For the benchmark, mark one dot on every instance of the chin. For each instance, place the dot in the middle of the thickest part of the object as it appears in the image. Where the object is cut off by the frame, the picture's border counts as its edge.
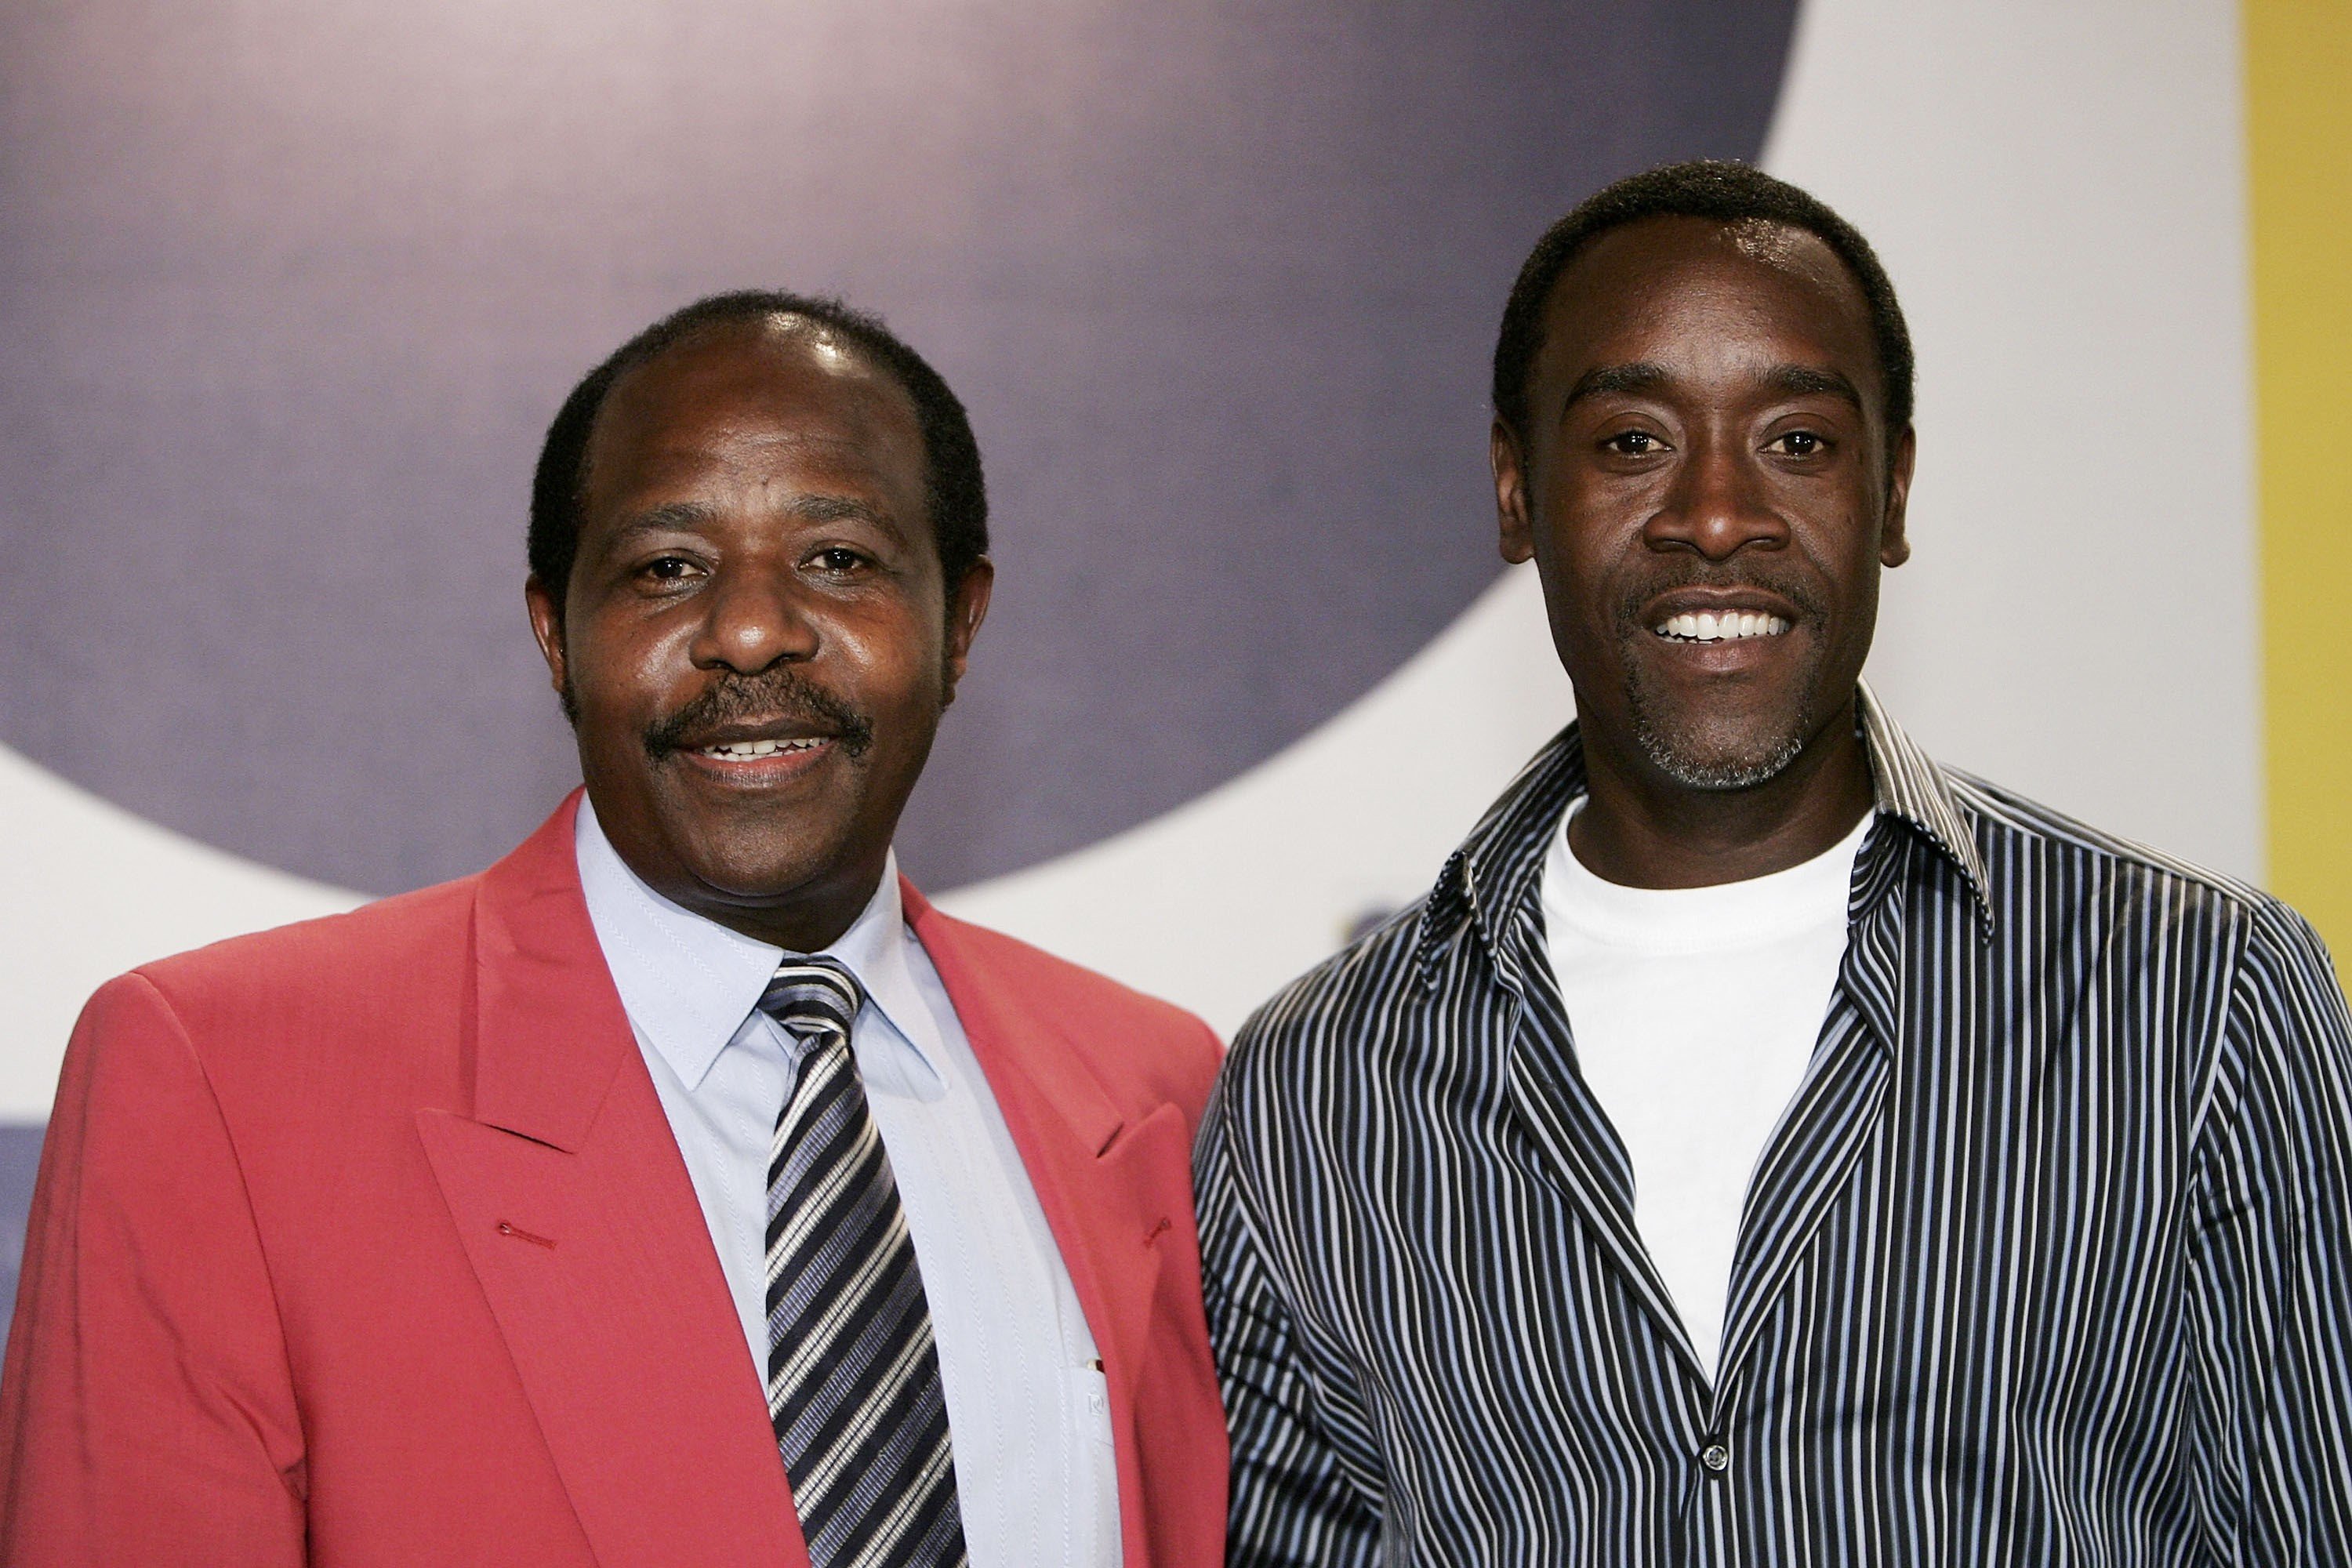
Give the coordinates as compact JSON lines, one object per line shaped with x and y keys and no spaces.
{"x":1725,"y":740}
{"x":1722,"y":771}
{"x":1714,"y":752}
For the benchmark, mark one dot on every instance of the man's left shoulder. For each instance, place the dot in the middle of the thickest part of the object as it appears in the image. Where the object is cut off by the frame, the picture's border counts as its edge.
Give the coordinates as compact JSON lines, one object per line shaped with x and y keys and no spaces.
{"x":2022,"y":840}
{"x":1148,"y":1046}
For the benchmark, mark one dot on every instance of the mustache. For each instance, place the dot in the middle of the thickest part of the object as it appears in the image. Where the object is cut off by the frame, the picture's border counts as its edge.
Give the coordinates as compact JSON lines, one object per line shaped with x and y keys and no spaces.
{"x":778,"y":692}
{"x":1690,"y":571}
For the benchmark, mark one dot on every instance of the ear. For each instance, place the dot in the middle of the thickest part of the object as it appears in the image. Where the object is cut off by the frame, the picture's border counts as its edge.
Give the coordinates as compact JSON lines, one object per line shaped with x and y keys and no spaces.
{"x":1893,"y":544}
{"x":967,"y":607}
{"x":1516,"y":538}
{"x":547,"y":626}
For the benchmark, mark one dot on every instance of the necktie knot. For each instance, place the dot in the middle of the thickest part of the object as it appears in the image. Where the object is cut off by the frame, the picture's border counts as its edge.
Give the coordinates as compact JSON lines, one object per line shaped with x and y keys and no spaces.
{"x":813,"y":998}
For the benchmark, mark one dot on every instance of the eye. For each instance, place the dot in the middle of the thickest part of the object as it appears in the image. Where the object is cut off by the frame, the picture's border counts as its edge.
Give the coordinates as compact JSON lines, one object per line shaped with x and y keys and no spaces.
{"x":1798,"y":444}
{"x":670,"y":568}
{"x":1633,"y":444}
{"x":837,"y":559}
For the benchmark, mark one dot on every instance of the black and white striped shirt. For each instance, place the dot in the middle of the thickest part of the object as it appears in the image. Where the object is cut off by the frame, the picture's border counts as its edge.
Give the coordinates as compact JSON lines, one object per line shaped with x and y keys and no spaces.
{"x":2050,"y":1261}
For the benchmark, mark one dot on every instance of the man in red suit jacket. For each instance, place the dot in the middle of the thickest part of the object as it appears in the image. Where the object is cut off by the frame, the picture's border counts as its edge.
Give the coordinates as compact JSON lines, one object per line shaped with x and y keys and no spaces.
{"x":395,"y":1239}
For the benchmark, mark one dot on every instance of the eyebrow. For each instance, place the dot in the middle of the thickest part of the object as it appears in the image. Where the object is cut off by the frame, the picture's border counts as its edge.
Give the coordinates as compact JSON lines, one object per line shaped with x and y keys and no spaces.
{"x":686,"y":516}
{"x":1806,"y":381}
{"x":679,"y":516}
{"x":1647,"y":375}
{"x":839,"y":509}
{"x":1604,"y":380}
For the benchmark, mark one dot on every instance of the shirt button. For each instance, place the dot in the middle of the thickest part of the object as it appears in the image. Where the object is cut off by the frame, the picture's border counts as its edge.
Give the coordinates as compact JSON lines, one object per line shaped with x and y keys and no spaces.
{"x":1716,"y":1458}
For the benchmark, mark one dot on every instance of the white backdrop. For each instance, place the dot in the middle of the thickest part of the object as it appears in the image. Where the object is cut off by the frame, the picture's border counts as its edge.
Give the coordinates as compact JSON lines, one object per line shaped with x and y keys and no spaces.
{"x":2058,"y":193}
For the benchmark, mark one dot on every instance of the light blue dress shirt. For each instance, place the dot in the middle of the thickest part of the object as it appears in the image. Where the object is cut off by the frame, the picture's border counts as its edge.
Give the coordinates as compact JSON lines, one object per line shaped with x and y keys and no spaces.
{"x":1028,"y":1411}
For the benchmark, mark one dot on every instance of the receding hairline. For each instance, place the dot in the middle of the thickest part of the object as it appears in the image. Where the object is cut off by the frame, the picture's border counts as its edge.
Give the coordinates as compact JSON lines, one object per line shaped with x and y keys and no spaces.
{"x":1712,"y":191}
{"x":777,"y":326}
{"x":1771,"y":242}
{"x":780,"y":327}
{"x":955,"y":485}
{"x":1777,"y":243}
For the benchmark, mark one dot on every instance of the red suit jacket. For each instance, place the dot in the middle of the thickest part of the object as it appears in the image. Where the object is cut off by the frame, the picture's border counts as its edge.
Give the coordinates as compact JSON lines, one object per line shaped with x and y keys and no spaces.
{"x":366,"y":1242}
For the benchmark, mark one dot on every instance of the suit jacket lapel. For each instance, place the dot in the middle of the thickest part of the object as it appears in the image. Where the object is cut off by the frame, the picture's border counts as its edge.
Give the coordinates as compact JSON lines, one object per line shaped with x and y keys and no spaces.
{"x":1084,"y":1158}
{"x":580,"y":1221}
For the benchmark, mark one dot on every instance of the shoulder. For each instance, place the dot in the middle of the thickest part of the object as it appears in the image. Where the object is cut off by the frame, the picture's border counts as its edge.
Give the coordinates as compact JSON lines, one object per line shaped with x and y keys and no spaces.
{"x":341,"y":1016}
{"x":379,"y":950}
{"x":1307,"y":1043}
{"x":1057,"y":981}
{"x":2212,"y":940}
{"x":1154,"y":1045}
{"x":388,"y":976}
{"x":2024,"y":841}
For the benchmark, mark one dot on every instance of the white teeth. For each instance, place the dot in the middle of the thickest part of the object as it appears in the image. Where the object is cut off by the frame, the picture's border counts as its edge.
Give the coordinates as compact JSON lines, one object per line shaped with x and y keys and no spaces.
{"x":1705,"y":625}
{"x":746,"y":751}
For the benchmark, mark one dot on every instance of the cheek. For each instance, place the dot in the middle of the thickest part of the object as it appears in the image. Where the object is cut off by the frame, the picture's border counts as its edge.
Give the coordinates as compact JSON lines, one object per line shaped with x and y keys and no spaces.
{"x":1853,"y":567}
{"x":1587,"y":572}
{"x":900,"y":660}
{"x":621,"y":680}
{"x":1591,"y":519}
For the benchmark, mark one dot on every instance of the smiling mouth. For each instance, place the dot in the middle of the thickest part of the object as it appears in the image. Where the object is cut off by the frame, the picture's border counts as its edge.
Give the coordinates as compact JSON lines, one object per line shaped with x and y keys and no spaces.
{"x":777,"y":718}
{"x":753,"y":751}
{"x":1731,"y":625}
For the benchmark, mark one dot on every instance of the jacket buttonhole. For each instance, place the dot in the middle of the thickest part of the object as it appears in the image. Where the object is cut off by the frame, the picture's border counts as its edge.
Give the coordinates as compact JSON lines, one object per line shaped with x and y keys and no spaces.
{"x":1154,"y":1233}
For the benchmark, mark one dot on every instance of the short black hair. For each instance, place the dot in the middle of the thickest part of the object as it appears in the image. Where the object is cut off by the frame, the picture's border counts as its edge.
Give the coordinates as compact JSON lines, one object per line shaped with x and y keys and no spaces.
{"x":955,"y":490}
{"x":1704,"y":188}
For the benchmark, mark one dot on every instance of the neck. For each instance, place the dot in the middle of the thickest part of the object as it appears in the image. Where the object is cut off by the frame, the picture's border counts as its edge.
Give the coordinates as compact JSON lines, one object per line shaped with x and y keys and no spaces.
{"x":1642,"y":829}
{"x":794,"y":931}
{"x":811,"y":920}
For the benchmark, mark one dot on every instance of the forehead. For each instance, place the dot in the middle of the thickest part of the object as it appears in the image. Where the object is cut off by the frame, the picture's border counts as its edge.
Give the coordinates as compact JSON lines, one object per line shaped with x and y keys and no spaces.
{"x":775,"y":399}
{"x":1663,"y":286}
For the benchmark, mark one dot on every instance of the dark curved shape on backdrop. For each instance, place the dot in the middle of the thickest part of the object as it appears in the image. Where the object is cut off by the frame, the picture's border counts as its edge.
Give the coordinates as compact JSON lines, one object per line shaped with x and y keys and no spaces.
{"x":288,"y":293}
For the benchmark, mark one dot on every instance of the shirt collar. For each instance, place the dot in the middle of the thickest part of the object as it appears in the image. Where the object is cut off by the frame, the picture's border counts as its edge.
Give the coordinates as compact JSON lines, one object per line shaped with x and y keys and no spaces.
{"x":1495,"y":869}
{"x":689,"y":984}
{"x":1913,"y":789}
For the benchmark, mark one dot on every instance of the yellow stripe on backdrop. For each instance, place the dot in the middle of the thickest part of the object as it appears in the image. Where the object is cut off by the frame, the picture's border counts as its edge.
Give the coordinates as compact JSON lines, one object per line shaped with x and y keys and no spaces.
{"x":2299,"y":137}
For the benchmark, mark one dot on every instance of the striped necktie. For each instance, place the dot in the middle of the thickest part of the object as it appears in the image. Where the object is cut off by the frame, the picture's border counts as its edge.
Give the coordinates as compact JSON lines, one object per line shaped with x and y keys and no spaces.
{"x":853,"y":1377}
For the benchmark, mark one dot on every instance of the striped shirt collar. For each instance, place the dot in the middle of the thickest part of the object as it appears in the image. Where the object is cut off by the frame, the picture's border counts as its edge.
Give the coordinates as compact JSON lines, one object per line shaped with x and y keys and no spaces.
{"x":1494,"y":871}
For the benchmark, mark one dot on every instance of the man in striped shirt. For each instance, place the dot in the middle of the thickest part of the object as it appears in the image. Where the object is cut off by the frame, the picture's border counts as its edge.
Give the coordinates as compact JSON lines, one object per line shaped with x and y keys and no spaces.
{"x":1764,"y":1145}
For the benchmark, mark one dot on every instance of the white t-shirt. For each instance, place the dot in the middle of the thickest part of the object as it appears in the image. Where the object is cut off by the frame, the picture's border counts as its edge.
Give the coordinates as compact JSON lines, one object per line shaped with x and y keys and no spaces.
{"x":1696,"y":1011}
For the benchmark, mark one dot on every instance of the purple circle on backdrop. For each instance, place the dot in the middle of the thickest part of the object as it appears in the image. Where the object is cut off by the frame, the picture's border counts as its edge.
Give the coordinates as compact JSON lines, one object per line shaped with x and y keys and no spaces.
{"x":287,"y":294}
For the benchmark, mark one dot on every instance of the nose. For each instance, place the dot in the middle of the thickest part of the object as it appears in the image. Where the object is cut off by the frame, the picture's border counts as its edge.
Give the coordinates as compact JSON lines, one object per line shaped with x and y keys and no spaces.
{"x":753,"y":619}
{"x":1717,"y":505}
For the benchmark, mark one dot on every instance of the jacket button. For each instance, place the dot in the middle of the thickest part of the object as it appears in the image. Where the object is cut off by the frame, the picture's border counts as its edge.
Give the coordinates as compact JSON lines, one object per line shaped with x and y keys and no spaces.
{"x":1716,"y":1458}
